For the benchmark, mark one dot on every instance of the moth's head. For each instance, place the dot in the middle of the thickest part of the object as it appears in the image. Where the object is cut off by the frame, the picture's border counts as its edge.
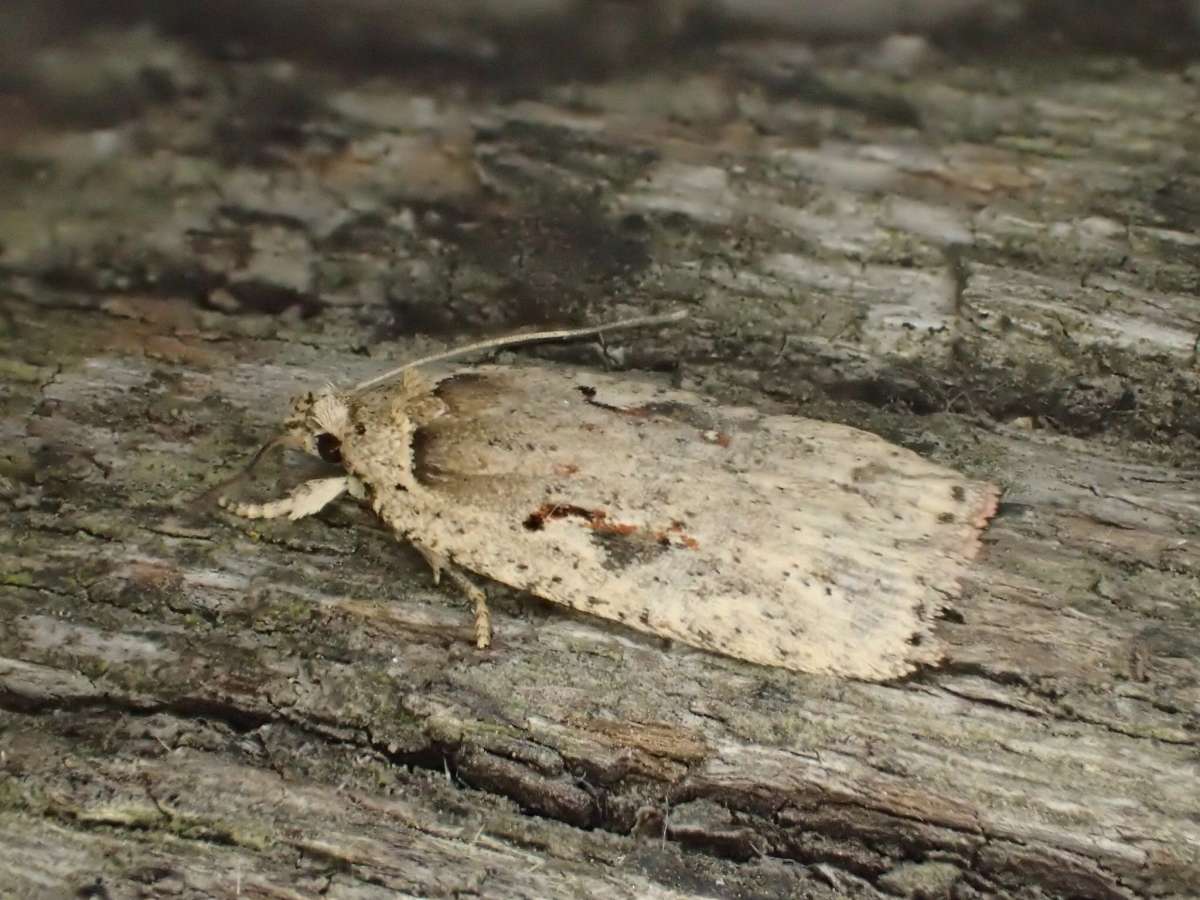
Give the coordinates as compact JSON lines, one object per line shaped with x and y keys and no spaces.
{"x":318,"y":424}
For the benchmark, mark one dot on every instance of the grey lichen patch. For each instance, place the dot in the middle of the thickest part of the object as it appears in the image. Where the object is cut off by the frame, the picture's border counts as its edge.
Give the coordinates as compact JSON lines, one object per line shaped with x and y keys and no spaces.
{"x":25,"y":372}
{"x":140,"y":814}
{"x":248,"y":833}
{"x":18,"y":579}
{"x":930,"y":879}
{"x":571,"y":252}
{"x":18,"y":796}
{"x":288,"y":616}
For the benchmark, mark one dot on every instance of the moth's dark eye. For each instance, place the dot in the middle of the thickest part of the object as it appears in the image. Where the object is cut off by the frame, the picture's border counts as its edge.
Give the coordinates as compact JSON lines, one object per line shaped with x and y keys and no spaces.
{"x":329,"y":448}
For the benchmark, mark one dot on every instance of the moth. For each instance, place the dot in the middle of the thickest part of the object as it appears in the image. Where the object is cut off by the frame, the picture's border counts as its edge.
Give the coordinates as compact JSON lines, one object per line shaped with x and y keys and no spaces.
{"x":775,"y":539}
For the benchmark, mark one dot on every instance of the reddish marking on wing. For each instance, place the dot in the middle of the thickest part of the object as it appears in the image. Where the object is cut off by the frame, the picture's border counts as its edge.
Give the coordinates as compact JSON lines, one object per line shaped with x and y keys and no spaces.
{"x":676,"y":529}
{"x":720,"y":438}
{"x":605,"y":527}
{"x":565,"y":469}
{"x":536,"y":520}
{"x":596,"y":519}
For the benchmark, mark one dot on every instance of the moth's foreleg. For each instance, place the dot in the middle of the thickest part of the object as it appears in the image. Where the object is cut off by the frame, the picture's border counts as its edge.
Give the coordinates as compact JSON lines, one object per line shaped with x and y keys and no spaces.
{"x":304,"y":500}
{"x":483,"y":615}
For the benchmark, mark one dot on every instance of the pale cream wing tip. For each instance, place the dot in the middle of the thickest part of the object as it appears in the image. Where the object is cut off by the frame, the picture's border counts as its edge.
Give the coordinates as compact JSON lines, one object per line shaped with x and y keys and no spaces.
{"x":931,"y":650}
{"x":991,"y":502}
{"x":985,"y":509}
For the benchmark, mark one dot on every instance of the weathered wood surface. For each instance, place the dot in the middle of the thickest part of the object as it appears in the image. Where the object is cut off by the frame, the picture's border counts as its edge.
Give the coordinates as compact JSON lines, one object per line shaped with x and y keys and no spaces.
{"x":992,"y":262}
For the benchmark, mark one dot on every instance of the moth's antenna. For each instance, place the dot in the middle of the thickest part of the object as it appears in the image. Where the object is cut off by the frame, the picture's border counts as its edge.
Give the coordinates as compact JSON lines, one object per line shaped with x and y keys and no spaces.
{"x":219,"y":489}
{"x":513,"y":340}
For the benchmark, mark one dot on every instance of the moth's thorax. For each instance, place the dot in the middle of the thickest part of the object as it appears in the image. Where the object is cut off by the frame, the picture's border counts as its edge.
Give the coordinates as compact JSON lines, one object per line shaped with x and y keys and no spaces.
{"x":370,"y":433}
{"x":382,"y":425}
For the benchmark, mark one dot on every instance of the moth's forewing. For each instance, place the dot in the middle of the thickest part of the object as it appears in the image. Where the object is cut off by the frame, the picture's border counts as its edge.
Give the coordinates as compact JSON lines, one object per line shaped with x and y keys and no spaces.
{"x":775,"y":539}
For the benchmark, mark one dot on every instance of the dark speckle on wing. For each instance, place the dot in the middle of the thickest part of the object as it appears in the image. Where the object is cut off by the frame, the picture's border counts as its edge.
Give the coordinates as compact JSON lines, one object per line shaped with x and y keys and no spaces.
{"x":624,"y":550}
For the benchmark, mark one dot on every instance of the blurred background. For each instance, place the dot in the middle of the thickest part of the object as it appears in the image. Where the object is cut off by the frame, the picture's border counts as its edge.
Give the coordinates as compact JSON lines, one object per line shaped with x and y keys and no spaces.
{"x":578,"y":35}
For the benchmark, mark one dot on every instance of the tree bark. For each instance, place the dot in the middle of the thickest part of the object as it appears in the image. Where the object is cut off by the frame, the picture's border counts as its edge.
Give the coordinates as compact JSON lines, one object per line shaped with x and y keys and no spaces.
{"x":990,"y":260}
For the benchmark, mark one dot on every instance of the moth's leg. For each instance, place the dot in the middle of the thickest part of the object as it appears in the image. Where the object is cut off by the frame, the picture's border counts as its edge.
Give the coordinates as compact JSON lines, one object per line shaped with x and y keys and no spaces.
{"x":304,"y":500}
{"x":483,"y":616}
{"x":611,"y":359}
